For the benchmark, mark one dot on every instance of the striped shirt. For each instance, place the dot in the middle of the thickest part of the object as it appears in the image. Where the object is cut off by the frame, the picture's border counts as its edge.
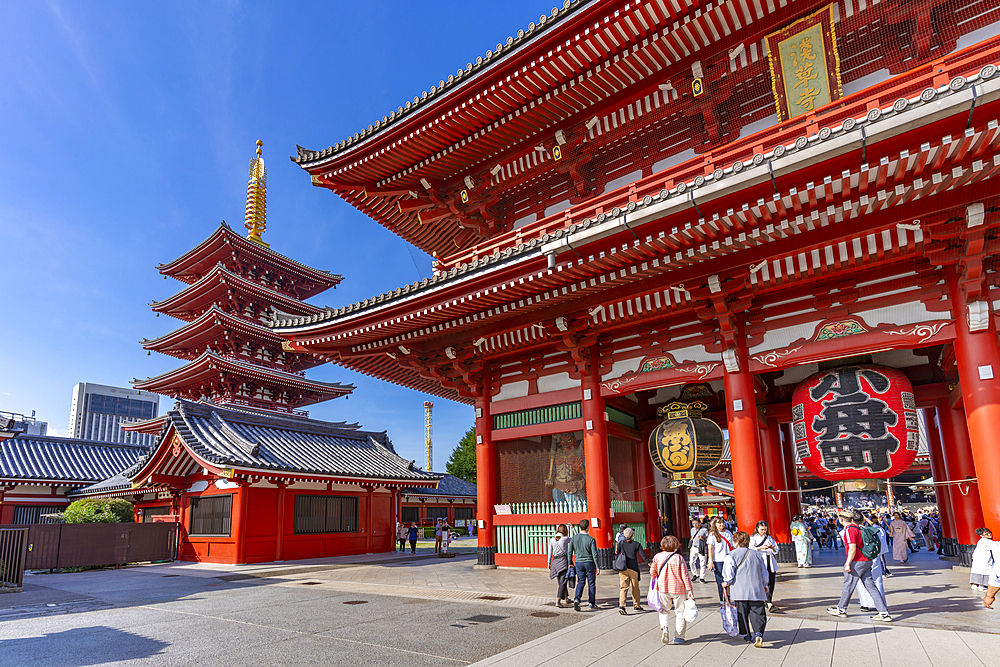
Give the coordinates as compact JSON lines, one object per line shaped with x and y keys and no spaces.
{"x":671,"y":575}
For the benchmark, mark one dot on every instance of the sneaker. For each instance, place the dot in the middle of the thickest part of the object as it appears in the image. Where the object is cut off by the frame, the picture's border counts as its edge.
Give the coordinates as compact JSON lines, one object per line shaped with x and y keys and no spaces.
{"x":837,"y":611}
{"x":576,"y":605}
{"x":758,"y":640}
{"x":636,"y":607}
{"x":621,"y":610}
{"x":665,"y":637}
{"x":866,"y":609}
{"x":885,"y":618}
{"x":593,"y":606}
{"x":678,"y":640}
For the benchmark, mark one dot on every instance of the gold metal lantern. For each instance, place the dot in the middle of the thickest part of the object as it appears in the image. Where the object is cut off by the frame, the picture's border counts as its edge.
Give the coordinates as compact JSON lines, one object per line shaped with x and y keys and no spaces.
{"x":686,"y":446}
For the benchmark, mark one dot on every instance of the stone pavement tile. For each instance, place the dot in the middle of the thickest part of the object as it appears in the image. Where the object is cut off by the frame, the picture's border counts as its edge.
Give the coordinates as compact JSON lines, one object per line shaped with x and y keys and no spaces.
{"x":898,"y":647}
{"x":778,"y":638}
{"x":310,"y":650}
{"x":945,"y":648}
{"x":615,"y":635}
{"x":648,"y":645}
{"x":986,"y":647}
{"x":855,"y":646}
{"x":553,"y":647}
{"x":811,"y":645}
{"x":122,"y":618}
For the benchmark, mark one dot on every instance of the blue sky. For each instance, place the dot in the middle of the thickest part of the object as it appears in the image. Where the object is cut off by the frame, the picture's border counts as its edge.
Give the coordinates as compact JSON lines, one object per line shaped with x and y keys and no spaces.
{"x":125,"y":134}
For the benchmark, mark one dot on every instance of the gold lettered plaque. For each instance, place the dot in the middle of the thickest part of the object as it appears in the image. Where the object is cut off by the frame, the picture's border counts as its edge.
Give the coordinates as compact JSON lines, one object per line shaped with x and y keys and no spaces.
{"x":805,"y":67}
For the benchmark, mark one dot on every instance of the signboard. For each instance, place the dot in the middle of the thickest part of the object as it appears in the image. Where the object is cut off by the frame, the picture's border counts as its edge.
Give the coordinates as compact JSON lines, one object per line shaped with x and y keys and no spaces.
{"x":502,"y":509}
{"x":805,"y":67}
{"x":857,"y":422}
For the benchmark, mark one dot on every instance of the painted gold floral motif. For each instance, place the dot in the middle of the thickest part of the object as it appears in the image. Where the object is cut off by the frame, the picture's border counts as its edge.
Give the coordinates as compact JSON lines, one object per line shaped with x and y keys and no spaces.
{"x":840,"y":330}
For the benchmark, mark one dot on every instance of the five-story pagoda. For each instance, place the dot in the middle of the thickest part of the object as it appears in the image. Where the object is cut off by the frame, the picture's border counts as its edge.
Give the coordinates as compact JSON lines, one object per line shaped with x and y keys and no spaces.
{"x":235,"y":284}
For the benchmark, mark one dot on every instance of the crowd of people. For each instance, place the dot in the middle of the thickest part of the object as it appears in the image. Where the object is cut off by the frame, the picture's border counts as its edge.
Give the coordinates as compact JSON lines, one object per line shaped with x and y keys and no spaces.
{"x":744,"y":565}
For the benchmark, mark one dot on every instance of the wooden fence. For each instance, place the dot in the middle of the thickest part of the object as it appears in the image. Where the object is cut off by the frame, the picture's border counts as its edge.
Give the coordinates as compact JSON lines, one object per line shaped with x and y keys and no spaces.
{"x":13,"y":547}
{"x":53,"y":546}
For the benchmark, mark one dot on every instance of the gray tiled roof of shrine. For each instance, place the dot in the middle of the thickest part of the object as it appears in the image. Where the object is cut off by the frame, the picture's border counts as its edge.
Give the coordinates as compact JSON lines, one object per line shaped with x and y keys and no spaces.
{"x":48,"y":458}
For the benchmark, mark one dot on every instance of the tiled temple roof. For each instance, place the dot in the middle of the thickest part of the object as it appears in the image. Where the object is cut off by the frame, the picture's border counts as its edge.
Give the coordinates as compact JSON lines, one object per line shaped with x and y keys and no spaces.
{"x":47,"y":458}
{"x":448,"y":486}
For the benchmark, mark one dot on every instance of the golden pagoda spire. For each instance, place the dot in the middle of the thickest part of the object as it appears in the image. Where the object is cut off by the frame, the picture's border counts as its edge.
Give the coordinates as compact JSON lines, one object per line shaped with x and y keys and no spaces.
{"x":256,"y":216}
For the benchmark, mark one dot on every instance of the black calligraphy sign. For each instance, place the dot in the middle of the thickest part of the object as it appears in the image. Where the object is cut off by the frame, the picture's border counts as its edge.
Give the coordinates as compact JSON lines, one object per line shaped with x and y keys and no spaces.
{"x":852,"y":430}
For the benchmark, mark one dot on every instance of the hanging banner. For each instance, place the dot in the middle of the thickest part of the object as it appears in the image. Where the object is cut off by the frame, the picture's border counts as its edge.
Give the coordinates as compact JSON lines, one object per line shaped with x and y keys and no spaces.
{"x":805,"y":67}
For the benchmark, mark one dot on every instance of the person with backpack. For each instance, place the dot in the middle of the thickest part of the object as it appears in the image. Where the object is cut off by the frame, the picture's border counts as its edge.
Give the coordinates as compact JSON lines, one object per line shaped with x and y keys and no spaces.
{"x":699,"y":550}
{"x":879,"y":570}
{"x":858,"y":566}
{"x":673,"y":584}
{"x":746,"y":581}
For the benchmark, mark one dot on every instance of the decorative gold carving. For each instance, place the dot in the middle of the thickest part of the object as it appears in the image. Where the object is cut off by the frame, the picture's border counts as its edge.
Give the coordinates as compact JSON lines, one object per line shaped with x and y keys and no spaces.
{"x":768,"y":358}
{"x":927,"y":331}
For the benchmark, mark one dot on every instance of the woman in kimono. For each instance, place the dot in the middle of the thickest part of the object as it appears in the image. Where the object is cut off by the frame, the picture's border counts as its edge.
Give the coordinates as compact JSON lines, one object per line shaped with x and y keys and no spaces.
{"x":803,"y":542}
{"x":900,"y":533}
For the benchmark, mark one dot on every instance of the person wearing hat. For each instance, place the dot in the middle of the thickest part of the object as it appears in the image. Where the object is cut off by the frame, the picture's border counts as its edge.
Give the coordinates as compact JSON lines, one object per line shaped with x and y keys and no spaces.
{"x":629,"y":577}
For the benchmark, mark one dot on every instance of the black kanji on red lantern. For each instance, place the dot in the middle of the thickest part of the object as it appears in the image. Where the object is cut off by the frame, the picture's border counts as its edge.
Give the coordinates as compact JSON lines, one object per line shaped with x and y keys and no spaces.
{"x":853,"y":427}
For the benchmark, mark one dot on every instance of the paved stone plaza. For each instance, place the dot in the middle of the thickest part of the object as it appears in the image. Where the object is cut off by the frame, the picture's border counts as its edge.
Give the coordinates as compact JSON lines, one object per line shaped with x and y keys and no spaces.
{"x":401,"y":609}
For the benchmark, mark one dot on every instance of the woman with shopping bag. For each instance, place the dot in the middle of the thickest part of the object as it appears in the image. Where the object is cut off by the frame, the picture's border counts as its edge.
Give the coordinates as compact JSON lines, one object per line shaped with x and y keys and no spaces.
{"x":669,"y":572}
{"x":745,"y":578}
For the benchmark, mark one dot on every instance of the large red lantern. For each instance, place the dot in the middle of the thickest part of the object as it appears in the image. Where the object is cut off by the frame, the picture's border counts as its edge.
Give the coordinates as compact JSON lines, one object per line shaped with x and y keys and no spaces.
{"x":857,"y":422}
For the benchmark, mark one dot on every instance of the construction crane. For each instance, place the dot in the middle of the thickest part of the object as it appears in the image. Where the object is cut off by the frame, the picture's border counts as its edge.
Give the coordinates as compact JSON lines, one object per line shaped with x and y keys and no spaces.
{"x":429,"y":434}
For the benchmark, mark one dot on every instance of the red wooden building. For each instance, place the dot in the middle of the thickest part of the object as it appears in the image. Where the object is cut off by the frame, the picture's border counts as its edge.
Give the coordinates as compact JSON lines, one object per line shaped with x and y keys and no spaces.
{"x":253,"y":487}
{"x":633,"y":201}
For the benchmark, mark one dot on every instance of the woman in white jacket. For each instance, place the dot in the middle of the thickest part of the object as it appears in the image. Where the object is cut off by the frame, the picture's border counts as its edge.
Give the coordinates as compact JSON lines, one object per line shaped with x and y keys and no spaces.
{"x":762,"y":541}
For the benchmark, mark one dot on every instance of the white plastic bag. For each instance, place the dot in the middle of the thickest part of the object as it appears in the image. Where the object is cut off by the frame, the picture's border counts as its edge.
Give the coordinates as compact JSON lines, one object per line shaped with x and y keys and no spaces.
{"x":653,"y":595}
{"x":730,"y":622}
{"x":690,"y":611}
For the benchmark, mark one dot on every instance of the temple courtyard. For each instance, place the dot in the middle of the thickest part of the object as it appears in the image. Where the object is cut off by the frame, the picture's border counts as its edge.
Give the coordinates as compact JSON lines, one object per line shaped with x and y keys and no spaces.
{"x":401,"y":609}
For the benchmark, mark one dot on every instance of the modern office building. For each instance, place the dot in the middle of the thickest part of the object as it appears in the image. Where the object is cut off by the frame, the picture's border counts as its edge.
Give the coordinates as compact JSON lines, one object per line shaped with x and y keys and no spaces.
{"x":24,"y":423}
{"x":99,"y":410}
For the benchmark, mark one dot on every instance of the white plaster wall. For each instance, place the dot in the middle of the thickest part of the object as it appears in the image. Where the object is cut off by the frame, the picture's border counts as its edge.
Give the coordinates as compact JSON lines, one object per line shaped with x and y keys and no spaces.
{"x":902,"y":314}
{"x":619,"y":368}
{"x":556,"y":382}
{"x":512,"y":390}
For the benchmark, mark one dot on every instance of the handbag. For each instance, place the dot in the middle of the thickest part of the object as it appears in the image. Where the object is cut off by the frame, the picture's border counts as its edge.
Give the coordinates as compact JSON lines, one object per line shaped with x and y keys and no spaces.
{"x":730,"y":621}
{"x":653,"y":596}
{"x":690,"y":611}
{"x":621,"y":562}
{"x":571,"y":576}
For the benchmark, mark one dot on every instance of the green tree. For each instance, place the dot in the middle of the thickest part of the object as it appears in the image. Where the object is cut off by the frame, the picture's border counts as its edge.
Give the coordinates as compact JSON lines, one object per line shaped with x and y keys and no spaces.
{"x":100,"y":510}
{"x":462,"y":462}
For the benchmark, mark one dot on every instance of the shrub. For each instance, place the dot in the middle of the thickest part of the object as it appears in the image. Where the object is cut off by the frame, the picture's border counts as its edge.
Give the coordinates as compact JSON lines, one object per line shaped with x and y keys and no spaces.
{"x":100,"y":510}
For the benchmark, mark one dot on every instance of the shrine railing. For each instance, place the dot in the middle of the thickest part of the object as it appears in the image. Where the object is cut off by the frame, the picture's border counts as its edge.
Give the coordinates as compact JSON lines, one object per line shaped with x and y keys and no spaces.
{"x":624,"y":506}
{"x":907,"y":85}
{"x":548,"y":508}
{"x":534,"y":539}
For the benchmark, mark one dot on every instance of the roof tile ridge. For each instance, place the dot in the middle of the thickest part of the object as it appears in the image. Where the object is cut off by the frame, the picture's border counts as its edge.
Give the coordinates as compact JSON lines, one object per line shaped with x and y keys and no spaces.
{"x":243,"y":444}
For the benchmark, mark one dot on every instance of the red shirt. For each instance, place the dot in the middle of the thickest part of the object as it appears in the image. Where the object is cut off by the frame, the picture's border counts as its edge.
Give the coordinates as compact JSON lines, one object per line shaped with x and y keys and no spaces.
{"x":852,"y":535}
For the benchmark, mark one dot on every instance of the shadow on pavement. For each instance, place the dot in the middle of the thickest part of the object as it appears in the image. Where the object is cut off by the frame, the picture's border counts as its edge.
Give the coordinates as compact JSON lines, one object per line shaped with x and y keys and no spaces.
{"x":96,"y":645}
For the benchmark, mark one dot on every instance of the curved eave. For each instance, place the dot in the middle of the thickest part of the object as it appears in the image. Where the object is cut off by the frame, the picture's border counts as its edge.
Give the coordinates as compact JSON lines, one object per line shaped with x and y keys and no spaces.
{"x":219,"y":247}
{"x":210,"y":365}
{"x":509,"y":58}
{"x":148,"y":426}
{"x":207,"y":291}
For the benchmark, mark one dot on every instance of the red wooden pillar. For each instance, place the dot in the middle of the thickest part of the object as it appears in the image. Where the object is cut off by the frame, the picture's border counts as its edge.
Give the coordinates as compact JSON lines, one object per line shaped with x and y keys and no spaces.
{"x":279,"y":530}
{"x":486,"y":469}
{"x":958,"y":464}
{"x":368,"y":519}
{"x":939,"y":472}
{"x":977,"y":356}
{"x":778,"y":519}
{"x":238,"y":523}
{"x":741,"y":412}
{"x":647,"y":474}
{"x":794,"y":500}
{"x":595,"y":453}
{"x":680,"y":515}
